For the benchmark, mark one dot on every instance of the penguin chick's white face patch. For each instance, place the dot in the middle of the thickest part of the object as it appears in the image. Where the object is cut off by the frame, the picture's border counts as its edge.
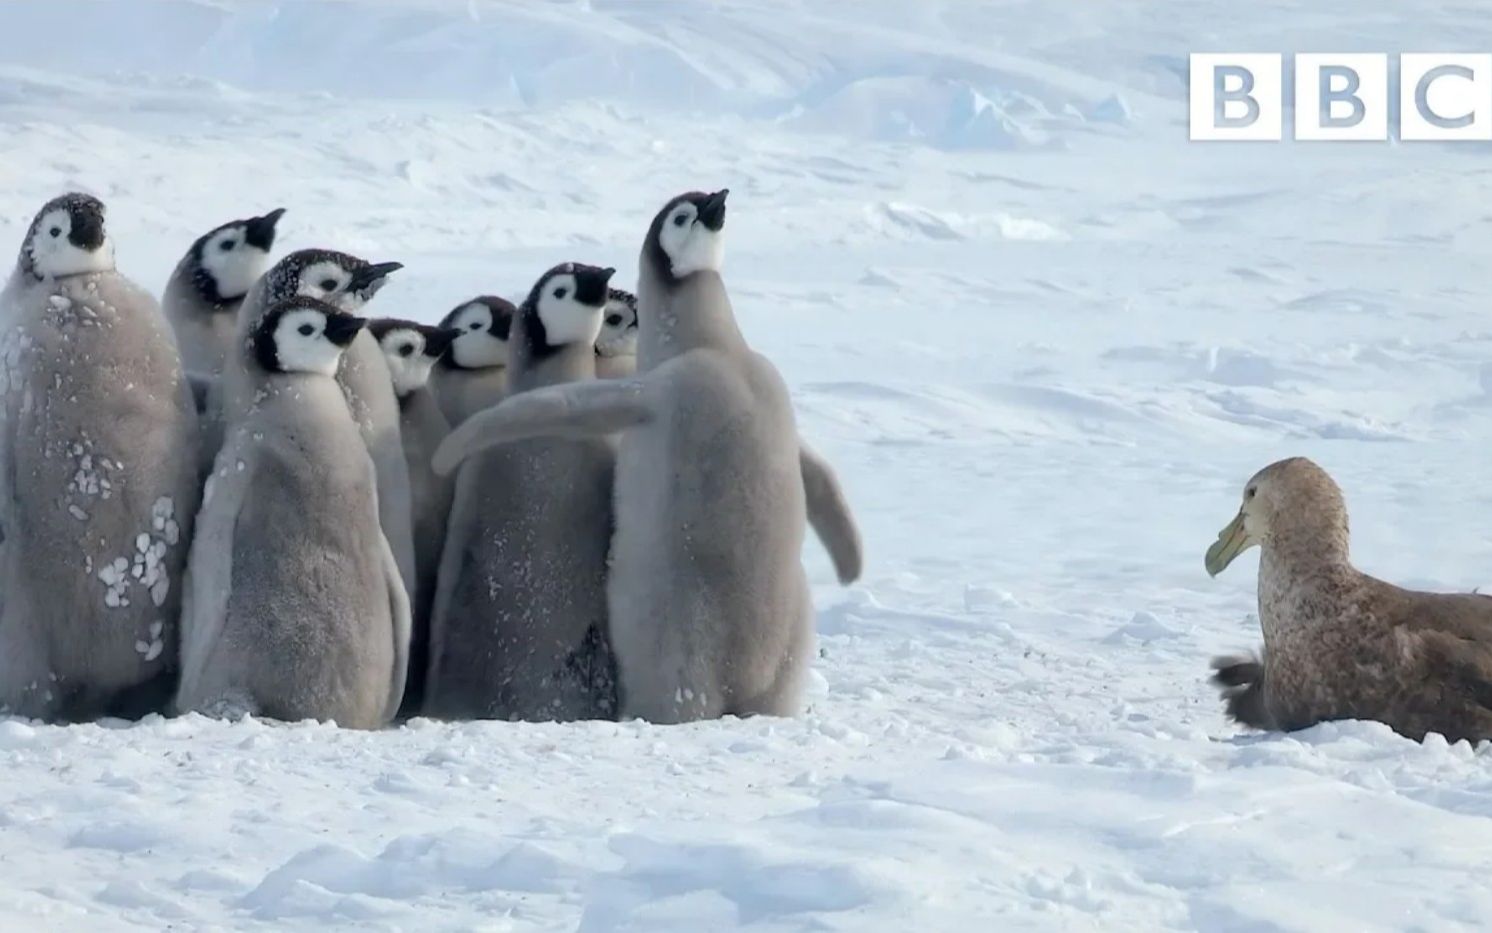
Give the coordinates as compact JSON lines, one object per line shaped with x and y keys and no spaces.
{"x":566,"y":319}
{"x":234,"y":263}
{"x":477,"y":347}
{"x":405,"y":351}
{"x":302,"y":344}
{"x":618,"y":330}
{"x":326,"y":280}
{"x":691,"y":246}
{"x":53,"y":254}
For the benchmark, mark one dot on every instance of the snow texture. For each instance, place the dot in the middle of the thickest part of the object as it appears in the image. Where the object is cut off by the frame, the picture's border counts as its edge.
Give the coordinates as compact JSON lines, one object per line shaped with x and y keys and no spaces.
{"x":1043,"y":338}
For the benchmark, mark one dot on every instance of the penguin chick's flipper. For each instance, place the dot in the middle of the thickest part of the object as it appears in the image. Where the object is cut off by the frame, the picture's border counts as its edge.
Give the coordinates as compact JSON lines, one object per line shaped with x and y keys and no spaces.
{"x":574,"y":409}
{"x":202,"y":387}
{"x":207,"y":584}
{"x":829,"y":514}
{"x":1241,"y":679}
{"x":399,"y":599}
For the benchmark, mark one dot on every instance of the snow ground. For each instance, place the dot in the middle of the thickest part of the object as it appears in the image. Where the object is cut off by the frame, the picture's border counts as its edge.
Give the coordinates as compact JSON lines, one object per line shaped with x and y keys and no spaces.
{"x":1044,"y":339}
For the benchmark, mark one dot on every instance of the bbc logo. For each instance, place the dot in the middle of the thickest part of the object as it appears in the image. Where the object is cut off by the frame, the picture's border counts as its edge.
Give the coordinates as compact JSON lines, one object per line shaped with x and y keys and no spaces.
{"x":1240,"y":97}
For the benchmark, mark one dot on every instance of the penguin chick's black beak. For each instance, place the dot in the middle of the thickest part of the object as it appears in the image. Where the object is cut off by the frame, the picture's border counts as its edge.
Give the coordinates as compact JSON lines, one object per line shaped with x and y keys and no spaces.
{"x":343,"y":327}
{"x":591,"y":285}
{"x":370,"y":278}
{"x":260,"y":232}
{"x":712,"y":210}
{"x":437,"y":342}
{"x":87,"y":230}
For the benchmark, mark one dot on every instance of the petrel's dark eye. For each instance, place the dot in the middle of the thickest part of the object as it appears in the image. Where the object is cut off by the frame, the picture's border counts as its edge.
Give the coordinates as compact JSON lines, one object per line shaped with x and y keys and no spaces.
{"x":613,"y":319}
{"x":56,"y":232}
{"x":1250,"y":494}
{"x":679,"y":220}
{"x":306,"y":330}
{"x":407,"y":350}
{"x":328,"y":285}
{"x":561,"y":292}
{"x":227,"y":246}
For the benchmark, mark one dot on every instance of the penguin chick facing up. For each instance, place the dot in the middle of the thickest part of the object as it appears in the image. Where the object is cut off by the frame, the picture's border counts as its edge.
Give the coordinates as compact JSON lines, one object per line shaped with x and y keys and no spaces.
{"x":708,"y":605}
{"x":295,"y":608}
{"x":203,"y":296}
{"x":1339,"y":644}
{"x":411,"y":350}
{"x":519,"y":628}
{"x":98,"y":485}
{"x":616,"y":348}
{"x":474,"y":374}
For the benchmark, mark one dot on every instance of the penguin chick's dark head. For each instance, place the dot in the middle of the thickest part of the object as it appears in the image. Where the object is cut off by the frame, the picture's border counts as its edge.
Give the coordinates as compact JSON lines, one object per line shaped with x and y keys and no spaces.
{"x":687,"y":236}
{"x":67,"y":237}
{"x":411,"y":349}
{"x":482,"y":326}
{"x":565,"y":307}
{"x":618,"y":325}
{"x":227,"y":261}
{"x":345,"y":281}
{"x":304,"y":335}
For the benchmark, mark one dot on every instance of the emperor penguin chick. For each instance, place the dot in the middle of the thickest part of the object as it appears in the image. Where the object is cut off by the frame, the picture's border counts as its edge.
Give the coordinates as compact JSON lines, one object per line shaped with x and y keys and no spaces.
{"x":98,"y":478}
{"x":616,"y":348}
{"x":295,"y":608}
{"x":348,"y":283}
{"x":474,"y":374}
{"x":203,"y":296}
{"x":519,"y":627}
{"x":708,"y":605}
{"x":411,"y":350}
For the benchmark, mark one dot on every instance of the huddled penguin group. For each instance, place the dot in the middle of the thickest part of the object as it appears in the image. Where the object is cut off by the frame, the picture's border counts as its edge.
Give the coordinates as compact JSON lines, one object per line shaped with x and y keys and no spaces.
{"x":252,"y":499}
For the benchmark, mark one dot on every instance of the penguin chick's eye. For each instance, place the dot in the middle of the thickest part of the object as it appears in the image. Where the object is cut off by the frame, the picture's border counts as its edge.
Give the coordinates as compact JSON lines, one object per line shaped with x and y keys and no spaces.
{"x":227,"y":246}
{"x":475,"y":325}
{"x":56,"y":232}
{"x":306,"y":330}
{"x":1250,"y":493}
{"x":679,"y":220}
{"x":561,"y":292}
{"x":613,"y":319}
{"x":328,"y":285}
{"x":407,"y":350}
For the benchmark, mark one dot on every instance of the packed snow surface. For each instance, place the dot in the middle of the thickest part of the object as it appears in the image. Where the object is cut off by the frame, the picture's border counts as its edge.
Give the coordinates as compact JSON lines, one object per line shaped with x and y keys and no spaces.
{"x":1044,"y":339}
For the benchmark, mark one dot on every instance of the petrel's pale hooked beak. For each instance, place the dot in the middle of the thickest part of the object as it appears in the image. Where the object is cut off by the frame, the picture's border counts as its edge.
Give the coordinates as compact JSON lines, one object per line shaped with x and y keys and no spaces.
{"x":1231,"y":541}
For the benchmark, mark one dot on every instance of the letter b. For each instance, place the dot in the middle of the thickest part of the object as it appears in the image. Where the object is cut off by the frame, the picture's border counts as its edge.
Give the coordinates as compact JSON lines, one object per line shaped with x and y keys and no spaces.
{"x":1341,"y":97}
{"x":1241,"y":93}
{"x":1236,"y":97}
